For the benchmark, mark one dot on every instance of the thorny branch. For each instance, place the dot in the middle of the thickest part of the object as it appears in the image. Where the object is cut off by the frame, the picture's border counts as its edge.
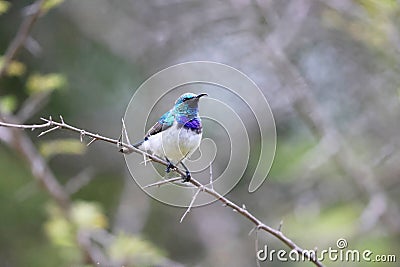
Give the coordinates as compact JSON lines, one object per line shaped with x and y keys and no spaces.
{"x":50,"y":124}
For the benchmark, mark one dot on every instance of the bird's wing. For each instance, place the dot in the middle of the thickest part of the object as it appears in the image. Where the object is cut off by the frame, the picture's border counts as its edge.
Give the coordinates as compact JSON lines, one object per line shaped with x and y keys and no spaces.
{"x":162,"y":124}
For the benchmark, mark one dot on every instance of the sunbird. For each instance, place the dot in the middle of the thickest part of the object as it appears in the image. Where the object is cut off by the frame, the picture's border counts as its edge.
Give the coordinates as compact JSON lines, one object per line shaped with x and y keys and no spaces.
{"x":177,"y":134}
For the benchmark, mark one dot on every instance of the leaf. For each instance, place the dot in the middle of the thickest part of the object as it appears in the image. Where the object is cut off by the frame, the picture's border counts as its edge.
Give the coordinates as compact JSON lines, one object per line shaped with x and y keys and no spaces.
{"x":62,"y":146}
{"x":376,"y":8}
{"x":8,"y":104}
{"x":4,"y":6}
{"x":15,"y":68}
{"x":135,"y":251}
{"x":60,"y":232}
{"x":88,"y":215}
{"x":42,"y":83}
{"x":50,"y":4}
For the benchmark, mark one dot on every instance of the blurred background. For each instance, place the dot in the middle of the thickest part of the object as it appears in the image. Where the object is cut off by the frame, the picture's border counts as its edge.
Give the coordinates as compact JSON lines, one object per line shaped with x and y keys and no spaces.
{"x":329,"y":69}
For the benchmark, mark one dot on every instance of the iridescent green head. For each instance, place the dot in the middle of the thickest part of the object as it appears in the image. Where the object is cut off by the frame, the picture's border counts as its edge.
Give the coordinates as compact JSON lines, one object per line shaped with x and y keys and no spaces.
{"x":187,"y":104}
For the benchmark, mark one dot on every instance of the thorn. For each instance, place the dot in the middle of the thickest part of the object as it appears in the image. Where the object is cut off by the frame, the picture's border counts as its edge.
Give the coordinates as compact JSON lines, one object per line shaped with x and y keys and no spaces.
{"x":252,"y":230}
{"x":50,"y":118}
{"x":47,"y":131}
{"x":92,"y":141}
{"x":243,"y":206}
{"x":83,"y":133}
{"x":280,"y":226}
{"x":125,"y":132}
{"x":62,"y":119}
{"x":160,"y":183}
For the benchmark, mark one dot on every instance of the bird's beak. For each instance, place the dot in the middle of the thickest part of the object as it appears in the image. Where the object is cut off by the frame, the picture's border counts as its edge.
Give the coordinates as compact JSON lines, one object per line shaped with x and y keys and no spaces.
{"x":200,"y":95}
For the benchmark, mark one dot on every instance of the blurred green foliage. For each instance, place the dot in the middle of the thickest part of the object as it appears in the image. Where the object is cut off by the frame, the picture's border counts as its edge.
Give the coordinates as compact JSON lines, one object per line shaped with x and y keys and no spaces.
{"x":134,"y":251}
{"x":62,"y":146}
{"x":38,"y":83}
{"x":15,"y":68}
{"x":4,"y":6}
{"x":8,"y":104}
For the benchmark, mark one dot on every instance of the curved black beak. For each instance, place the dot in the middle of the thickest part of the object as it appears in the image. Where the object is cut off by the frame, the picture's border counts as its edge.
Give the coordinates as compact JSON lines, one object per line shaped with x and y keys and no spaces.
{"x":200,"y":95}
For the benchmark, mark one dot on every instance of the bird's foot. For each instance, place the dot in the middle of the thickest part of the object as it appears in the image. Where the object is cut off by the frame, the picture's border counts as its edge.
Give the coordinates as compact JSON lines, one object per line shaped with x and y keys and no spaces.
{"x":169,"y":167}
{"x":186,"y":178}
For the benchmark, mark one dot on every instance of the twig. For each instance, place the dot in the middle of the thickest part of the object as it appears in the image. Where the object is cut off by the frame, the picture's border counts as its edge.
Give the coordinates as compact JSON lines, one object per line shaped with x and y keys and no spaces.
{"x":93,"y":254}
{"x":163,"y":182}
{"x":80,"y":180}
{"x":21,"y":36}
{"x":225,"y":201}
{"x":21,"y":126}
{"x":191,"y":204}
{"x":32,"y":105}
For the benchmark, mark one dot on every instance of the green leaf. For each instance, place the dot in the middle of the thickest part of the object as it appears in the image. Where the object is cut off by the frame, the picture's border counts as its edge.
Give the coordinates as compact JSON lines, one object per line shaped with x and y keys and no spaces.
{"x":15,"y":68}
{"x":375,"y":8}
{"x":57,"y":228}
{"x":135,"y":251}
{"x":62,"y":146}
{"x":50,"y":4}
{"x":4,"y":6}
{"x":60,"y":232}
{"x":88,"y":215}
{"x":49,"y":82}
{"x":8,"y":104}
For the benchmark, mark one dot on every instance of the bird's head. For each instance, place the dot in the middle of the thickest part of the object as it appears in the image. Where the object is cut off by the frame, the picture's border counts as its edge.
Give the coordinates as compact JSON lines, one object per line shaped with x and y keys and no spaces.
{"x":188,"y":103}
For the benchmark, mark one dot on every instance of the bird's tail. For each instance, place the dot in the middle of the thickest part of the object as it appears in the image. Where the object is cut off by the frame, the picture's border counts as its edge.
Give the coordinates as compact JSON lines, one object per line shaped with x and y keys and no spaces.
{"x":138,"y":144}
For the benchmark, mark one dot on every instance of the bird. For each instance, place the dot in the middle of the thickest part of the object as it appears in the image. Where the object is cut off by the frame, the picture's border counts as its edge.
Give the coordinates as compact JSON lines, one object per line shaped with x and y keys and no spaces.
{"x":176,"y":134}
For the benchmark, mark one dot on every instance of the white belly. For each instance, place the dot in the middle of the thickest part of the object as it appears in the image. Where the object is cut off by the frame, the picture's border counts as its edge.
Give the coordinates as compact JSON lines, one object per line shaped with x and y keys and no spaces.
{"x":174,"y":143}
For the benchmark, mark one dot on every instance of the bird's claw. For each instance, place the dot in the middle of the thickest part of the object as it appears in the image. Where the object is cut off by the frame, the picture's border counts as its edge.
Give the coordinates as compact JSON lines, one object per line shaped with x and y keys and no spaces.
{"x":186,"y":178}
{"x":169,"y":167}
